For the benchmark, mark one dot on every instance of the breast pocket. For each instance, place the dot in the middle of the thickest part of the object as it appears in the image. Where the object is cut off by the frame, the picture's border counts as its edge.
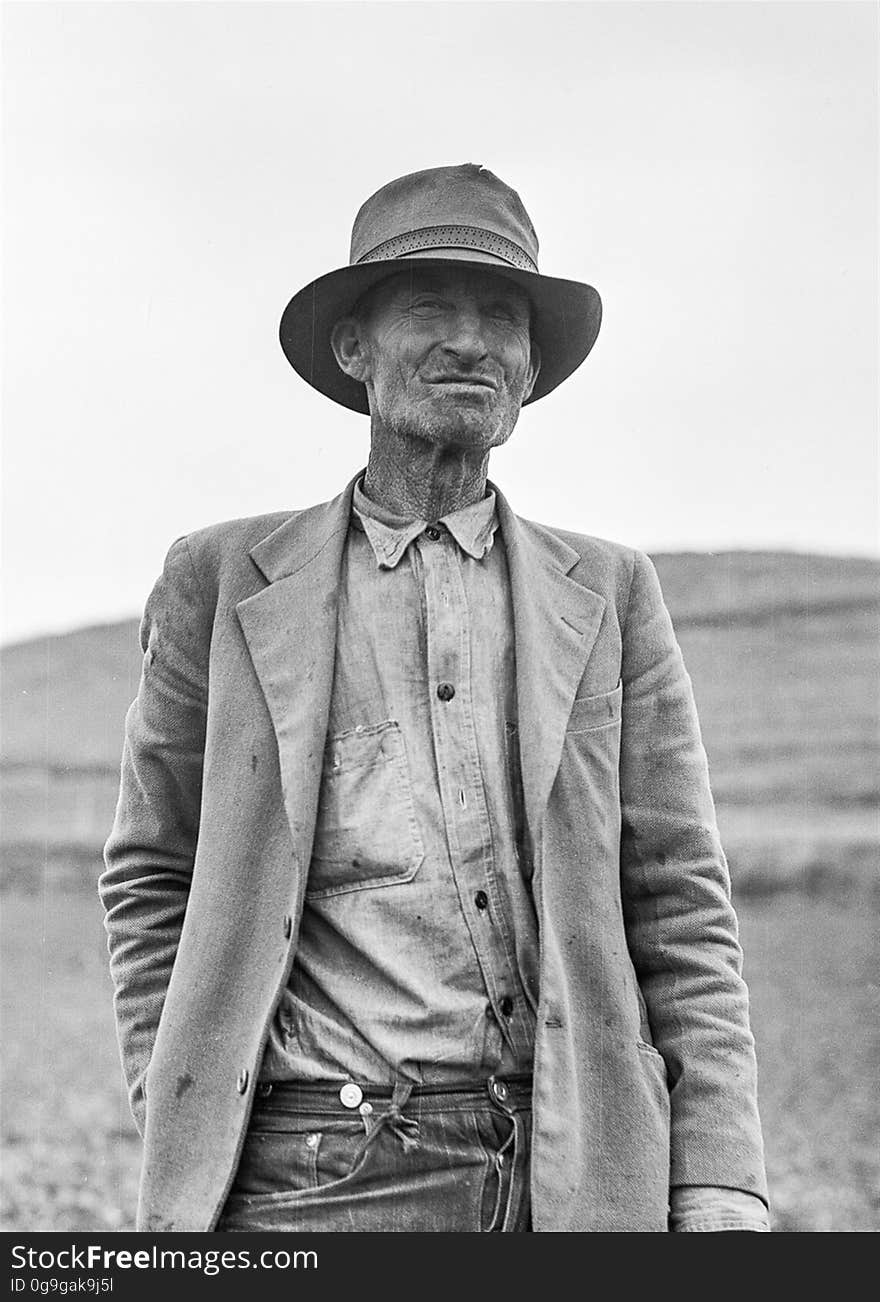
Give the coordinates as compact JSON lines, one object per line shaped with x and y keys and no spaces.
{"x":366,"y":834}
{"x":591,"y":712}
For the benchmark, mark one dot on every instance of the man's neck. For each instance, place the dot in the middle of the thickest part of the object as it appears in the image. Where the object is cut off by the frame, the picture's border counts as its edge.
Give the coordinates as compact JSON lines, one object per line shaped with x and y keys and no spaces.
{"x":420,"y":482}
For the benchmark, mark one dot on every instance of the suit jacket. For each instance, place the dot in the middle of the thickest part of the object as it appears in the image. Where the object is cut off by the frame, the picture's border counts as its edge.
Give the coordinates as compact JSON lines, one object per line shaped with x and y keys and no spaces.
{"x":644,"y":1072}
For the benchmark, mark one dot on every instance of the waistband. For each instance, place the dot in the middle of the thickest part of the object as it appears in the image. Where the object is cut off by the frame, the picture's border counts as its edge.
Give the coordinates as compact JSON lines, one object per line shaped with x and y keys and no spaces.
{"x":349,"y":1097}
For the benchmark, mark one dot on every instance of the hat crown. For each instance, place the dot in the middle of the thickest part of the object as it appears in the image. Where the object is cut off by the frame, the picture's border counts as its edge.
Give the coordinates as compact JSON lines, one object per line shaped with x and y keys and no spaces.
{"x":465,"y":196}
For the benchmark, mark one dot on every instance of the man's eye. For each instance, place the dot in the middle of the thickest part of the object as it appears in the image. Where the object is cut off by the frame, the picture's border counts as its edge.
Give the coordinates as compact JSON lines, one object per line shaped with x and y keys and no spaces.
{"x":424,"y":305}
{"x":501,"y":312}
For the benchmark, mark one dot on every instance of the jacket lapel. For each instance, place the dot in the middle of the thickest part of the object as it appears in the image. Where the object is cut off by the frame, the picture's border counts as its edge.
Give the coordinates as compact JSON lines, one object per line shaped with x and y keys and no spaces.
{"x":556,"y":621}
{"x":290,"y":630}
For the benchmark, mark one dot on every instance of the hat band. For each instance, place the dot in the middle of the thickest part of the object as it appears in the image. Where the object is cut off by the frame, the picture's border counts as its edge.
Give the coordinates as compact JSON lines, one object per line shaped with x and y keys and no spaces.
{"x":451,"y":237}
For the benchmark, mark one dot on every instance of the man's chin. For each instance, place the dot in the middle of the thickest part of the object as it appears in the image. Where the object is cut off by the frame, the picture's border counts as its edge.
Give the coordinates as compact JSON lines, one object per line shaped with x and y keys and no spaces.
{"x":468,"y":426}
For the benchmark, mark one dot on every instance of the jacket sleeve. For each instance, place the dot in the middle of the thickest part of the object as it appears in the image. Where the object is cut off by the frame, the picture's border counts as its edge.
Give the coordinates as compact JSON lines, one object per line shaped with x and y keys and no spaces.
{"x":681,"y":927}
{"x":149,"y":855}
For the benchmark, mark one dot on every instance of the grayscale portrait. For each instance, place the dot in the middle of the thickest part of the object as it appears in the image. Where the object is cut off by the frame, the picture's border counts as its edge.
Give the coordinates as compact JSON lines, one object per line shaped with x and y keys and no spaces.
{"x":440,"y":665}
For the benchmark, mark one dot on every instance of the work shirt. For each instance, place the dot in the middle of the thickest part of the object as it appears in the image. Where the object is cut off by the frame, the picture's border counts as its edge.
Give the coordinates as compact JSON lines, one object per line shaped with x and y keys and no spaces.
{"x":417,"y":955}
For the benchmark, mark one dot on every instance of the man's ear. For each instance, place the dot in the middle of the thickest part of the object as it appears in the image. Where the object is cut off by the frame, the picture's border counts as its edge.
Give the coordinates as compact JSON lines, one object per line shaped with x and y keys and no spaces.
{"x":534,"y":369}
{"x":349,"y":349}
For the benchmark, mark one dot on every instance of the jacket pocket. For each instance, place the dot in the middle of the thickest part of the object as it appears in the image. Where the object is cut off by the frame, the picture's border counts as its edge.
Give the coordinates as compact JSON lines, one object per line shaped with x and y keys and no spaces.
{"x":590,"y":712}
{"x":366,"y":834}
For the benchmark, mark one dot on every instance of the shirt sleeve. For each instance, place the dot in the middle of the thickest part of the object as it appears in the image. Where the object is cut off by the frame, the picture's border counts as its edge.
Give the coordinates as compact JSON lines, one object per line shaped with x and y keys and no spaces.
{"x":709,"y":1208}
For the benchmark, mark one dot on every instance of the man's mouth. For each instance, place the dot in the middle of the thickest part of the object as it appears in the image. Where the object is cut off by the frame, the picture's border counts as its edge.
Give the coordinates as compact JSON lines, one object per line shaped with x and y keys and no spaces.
{"x":483,"y":381}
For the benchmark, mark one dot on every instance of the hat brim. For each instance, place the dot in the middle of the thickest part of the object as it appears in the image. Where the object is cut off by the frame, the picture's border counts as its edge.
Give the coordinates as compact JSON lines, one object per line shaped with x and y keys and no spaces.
{"x":565,"y":322}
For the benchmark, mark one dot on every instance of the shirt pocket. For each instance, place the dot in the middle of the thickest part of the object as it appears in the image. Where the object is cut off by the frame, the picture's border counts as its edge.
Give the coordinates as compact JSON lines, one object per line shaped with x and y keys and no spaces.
{"x":366,"y":833}
{"x":589,"y":713}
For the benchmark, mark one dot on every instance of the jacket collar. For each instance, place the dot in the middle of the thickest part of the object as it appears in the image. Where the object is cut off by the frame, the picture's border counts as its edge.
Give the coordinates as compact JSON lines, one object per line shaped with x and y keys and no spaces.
{"x":302,"y":537}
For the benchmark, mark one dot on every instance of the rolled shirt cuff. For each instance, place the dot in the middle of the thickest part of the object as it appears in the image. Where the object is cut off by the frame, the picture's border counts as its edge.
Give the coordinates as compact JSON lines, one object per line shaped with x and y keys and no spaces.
{"x":711,"y":1208}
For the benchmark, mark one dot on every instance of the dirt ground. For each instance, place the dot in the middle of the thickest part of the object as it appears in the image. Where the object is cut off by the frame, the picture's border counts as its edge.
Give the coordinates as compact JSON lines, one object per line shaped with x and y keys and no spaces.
{"x":70,"y":1153}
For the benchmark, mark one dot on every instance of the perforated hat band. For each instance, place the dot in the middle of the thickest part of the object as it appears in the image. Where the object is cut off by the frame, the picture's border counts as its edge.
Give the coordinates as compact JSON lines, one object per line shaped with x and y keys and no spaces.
{"x":473,"y":238}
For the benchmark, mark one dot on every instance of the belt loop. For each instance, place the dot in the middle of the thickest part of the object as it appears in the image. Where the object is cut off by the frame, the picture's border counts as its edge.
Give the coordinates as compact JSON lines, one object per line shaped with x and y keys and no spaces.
{"x":400,"y":1094}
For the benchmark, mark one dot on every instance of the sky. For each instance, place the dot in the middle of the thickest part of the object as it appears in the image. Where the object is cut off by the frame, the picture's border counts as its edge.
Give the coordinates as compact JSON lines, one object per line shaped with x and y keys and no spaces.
{"x":174,"y":172}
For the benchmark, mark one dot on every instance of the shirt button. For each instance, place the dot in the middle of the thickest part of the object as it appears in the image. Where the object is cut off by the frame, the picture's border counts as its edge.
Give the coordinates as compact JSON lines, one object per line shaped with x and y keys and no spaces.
{"x":288,"y":926}
{"x":432,"y":533}
{"x":242,"y":1083}
{"x":481,"y":899}
{"x":445,"y":691}
{"x":505,"y":1003}
{"x":350,"y":1095}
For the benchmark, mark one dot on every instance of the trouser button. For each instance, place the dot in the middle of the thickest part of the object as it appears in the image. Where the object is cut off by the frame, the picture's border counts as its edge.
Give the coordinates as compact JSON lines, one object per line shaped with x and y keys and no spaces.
{"x":350,"y":1095}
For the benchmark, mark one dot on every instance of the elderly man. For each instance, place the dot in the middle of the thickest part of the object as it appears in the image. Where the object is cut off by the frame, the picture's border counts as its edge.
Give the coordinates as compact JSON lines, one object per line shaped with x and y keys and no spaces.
{"x":417,"y":911}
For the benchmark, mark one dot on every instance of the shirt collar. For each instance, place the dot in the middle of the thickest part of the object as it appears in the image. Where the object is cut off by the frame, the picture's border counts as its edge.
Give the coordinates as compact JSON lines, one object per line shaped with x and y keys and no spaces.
{"x":473,"y":527}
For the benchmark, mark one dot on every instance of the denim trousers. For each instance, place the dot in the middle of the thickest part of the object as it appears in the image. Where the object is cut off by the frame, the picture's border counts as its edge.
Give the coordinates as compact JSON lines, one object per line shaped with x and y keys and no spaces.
{"x":364,"y":1159}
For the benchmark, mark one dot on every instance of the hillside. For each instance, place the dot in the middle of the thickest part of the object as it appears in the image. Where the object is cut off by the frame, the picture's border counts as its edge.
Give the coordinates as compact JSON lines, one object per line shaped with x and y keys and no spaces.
{"x":783,"y":650}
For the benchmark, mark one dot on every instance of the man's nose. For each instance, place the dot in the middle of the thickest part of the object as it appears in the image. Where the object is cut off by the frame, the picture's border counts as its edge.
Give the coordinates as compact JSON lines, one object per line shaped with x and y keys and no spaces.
{"x":466,"y":338}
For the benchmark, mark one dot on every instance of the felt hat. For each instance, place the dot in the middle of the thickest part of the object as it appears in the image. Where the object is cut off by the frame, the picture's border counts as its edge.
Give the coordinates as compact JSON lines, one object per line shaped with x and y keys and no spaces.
{"x":462,"y":215}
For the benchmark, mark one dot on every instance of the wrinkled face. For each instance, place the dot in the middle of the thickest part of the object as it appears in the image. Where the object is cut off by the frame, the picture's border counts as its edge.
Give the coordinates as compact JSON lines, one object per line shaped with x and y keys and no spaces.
{"x":447,"y":356}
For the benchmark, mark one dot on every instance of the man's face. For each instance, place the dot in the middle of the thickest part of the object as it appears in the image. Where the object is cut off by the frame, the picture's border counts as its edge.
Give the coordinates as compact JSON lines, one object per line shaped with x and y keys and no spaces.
{"x":447,"y":356}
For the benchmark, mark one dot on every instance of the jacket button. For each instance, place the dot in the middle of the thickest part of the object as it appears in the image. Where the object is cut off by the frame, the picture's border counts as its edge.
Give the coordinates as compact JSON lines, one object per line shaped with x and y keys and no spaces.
{"x":432,"y":533}
{"x":288,"y":926}
{"x":481,"y":899}
{"x":505,"y":1003}
{"x":243,"y":1078}
{"x":445,"y":691}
